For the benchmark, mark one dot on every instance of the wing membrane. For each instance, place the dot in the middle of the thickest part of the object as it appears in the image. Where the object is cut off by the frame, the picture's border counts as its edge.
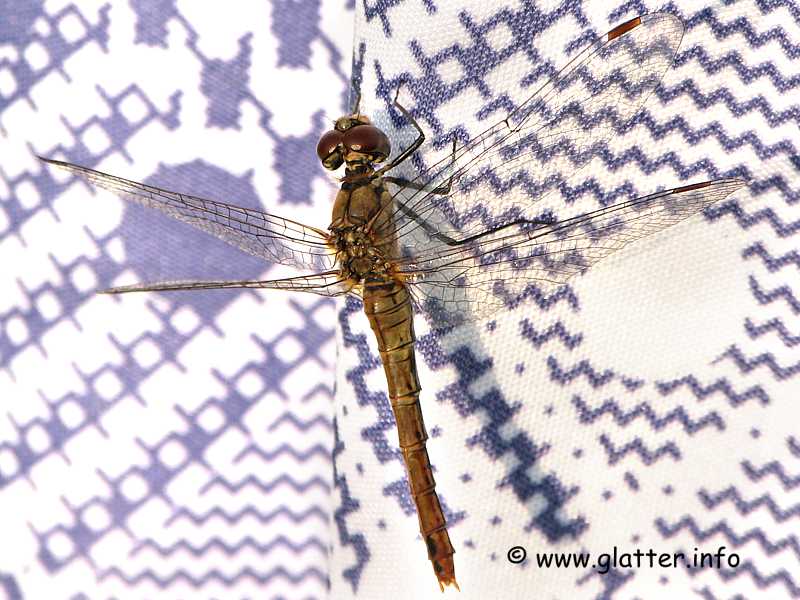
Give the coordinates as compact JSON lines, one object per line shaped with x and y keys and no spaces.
{"x":477,"y":278}
{"x":258,"y":233}
{"x":503,"y":174}
{"x":322,"y":284}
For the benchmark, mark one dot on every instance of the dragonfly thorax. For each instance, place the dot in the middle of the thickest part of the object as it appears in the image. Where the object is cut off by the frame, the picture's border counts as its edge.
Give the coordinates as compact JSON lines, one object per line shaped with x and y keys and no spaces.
{"x":357,"y":254}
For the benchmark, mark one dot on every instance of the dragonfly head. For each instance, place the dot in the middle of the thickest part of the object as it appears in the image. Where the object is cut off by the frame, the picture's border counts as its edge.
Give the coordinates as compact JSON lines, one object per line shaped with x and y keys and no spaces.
{"x":353,"y":139}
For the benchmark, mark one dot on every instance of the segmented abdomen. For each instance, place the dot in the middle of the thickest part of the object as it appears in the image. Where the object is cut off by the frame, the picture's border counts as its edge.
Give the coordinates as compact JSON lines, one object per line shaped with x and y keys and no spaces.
{"x":388,"y":307}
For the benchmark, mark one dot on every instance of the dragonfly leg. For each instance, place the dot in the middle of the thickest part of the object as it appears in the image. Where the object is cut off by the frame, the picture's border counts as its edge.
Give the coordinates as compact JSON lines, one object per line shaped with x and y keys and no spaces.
{"x":441,"y":190}
{"x":445,"y":189}
{"x":357,"y":102}
{"x":414,"y":145}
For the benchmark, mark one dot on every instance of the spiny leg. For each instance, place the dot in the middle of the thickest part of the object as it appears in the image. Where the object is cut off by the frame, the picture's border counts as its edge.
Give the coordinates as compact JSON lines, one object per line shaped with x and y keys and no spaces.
{"x":357,"y":102}
{"x":400,"y":158}
{"x":441,"y":190}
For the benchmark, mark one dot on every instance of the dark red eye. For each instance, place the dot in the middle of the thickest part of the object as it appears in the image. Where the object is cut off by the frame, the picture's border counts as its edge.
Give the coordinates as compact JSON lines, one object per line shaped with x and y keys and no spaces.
{"x":327,"y":143}
{"x":367,"y":139}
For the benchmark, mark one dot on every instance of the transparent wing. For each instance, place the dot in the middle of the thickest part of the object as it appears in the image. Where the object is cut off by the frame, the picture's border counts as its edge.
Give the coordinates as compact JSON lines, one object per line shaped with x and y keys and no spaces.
{"x":477,"y":278}
{"x":503,"y":174}
{"x":322,"y":284}
{"x":263,"y":235}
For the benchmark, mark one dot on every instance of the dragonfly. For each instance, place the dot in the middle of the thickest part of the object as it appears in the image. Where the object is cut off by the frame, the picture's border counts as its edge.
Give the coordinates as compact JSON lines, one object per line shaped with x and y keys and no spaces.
{"x":467,"y":234}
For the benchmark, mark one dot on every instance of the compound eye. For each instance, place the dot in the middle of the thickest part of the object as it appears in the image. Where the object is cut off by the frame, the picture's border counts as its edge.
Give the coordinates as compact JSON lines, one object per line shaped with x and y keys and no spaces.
{"x":367,"y":139}
{"x":328,"y":143}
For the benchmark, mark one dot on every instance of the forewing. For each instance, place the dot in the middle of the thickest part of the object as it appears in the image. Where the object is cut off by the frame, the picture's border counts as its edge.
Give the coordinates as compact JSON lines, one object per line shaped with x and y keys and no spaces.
{"x":322,"y":284}
{"x":503,"y":174}
{"x":476,"y":279}
{"x":266,"y":236}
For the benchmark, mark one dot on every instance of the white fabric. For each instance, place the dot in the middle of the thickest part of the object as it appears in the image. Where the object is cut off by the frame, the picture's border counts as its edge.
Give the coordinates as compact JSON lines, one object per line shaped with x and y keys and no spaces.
{"x":653,"y":401}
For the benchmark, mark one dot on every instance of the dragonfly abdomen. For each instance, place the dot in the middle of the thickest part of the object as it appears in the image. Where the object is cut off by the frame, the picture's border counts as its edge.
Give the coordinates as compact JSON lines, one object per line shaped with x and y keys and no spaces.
{"x":388,"y":308}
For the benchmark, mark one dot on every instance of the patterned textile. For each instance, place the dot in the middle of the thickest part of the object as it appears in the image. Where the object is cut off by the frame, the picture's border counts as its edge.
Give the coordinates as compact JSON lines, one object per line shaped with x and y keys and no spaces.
{"x":162,"y":445}
{"x":650,"y":404}
{"x":178,"y":445}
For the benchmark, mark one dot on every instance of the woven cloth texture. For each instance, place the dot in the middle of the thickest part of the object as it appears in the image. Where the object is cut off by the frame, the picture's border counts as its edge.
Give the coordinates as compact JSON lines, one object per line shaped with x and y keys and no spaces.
{"x":239,"y":444}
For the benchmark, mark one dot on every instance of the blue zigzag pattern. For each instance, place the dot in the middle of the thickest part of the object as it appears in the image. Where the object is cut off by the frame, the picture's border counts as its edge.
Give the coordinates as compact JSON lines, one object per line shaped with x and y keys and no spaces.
{"x":773,"y":467}
{"x":183,"y":577}
{"x":558,"y":331}
{"x":588,"y":415}
{"x":776,"y":325}
{"x":767,"y":6}
{"x":715,"y":131}
{"x":230,"y":549}
{"x":637,"y":446}
{"x":595,"y":378}
{"x":746,"y":365}
{"x":248,"y":512}
{"x":747,"y":74}
{"x":637,"y":7}
{"x":773,"y":263}
{"x":764,"y":215}
{"x":301,"y":455}
{"x":748,"y":569}
{"x":300,"y":424}
{"x":251,"y":481}
{"x":688,"y":523}
{"x":766,"y":297}
{"x":722,"y":386}
{"x":708,"y":17}
{"x":745,"y":507}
